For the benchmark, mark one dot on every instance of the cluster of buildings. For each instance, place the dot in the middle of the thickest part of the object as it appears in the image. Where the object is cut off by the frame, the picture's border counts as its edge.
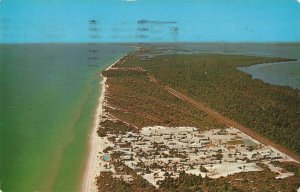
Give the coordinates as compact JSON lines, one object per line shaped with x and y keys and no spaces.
{"x":158,"y":152}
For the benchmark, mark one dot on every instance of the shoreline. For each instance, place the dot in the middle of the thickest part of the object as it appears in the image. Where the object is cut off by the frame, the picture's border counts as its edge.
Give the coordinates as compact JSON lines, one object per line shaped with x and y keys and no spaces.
{"x":92,"y":168}
{"x":258,"y":71}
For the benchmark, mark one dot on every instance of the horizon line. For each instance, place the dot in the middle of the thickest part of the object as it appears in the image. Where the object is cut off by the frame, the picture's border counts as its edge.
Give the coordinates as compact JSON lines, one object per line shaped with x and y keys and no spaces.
{"x":160,"y":42}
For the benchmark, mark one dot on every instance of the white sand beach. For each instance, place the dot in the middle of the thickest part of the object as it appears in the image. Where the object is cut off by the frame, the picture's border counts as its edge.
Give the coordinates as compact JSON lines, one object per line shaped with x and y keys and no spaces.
{"x":96,"y":145}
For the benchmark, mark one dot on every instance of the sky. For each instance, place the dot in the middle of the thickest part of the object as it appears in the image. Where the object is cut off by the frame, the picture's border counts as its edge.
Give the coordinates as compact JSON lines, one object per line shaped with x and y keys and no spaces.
{"x":37,"y":21}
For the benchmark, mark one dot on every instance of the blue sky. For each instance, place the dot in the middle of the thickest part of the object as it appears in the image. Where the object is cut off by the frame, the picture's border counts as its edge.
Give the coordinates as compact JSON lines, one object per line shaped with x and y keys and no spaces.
{"x":149,"y":21}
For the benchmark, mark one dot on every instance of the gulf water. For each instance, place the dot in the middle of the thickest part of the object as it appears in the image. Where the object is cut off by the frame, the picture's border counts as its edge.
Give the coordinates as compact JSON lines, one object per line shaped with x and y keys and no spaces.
{"x":48,"y":97}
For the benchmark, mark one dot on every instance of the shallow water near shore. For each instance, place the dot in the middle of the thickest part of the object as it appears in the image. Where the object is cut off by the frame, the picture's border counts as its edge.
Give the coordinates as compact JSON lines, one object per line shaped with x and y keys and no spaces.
{"x":49,"y":93}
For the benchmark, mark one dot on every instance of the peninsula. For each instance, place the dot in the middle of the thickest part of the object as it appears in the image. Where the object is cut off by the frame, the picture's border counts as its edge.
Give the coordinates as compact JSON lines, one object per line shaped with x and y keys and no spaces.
{"x":191,"y":122}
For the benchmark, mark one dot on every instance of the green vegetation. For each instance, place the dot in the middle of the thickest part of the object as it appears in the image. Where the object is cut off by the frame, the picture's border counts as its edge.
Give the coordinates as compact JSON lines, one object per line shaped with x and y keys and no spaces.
{"x":137,"y":101}
{"x":246,"y":182}
{"x":289,"y":166}
{"x":114,"y":128}
{"x":107,"y":182}
{"x":254,"y":181}
{"x":184,"y":183}
{"x":213,"y":79}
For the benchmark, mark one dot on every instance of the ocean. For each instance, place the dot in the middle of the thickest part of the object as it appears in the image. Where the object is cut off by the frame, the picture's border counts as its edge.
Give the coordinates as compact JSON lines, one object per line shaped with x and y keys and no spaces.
{"x":49,"y":93}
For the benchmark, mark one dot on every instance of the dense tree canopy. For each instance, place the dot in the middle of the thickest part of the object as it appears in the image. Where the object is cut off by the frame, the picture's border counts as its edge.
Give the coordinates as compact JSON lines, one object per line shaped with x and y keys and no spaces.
{"x":214,"y":79}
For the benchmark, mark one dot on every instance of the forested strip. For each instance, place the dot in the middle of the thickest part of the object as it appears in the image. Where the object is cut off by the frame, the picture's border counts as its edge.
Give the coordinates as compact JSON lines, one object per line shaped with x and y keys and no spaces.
{"x":138,"y":101}
{"x":214,"y":79}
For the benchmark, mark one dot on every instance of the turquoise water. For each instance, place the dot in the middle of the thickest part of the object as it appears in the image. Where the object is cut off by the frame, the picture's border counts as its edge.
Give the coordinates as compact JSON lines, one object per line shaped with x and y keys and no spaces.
{"x":106,"y":157}
{"x":48,"y":96}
